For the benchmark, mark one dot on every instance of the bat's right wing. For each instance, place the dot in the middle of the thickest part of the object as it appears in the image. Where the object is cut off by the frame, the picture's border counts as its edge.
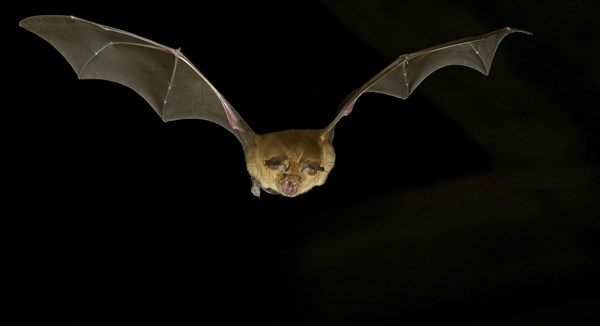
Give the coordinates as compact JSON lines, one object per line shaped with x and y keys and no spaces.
{"x":161,"y":75}
{"x":402,"y":76}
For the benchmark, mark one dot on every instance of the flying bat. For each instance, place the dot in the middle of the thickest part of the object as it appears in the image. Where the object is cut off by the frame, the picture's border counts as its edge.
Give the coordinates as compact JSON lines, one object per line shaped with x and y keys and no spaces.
{"x":288,"y":162}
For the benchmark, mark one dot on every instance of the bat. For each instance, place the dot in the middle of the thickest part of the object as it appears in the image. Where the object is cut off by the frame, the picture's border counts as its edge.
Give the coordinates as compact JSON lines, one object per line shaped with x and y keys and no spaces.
{"x":288,"y":162}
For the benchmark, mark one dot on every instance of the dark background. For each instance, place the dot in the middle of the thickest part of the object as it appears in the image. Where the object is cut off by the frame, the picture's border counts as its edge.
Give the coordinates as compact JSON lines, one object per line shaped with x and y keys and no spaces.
{"x":473,"y":202}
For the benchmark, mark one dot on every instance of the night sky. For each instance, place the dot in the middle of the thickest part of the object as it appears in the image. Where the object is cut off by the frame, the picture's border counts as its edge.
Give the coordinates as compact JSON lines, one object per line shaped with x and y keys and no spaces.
{"x":473,"y":202}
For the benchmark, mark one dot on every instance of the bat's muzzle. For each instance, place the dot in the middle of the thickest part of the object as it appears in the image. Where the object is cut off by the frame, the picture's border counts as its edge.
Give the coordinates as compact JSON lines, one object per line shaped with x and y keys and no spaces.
{"x":290,"y":185}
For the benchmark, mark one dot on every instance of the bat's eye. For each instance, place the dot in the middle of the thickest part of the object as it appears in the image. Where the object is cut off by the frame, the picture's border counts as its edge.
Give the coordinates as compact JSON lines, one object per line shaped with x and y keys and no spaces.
{"x":312,"y":168}
{"x":275,"y":163}
{"x":310,"y":171}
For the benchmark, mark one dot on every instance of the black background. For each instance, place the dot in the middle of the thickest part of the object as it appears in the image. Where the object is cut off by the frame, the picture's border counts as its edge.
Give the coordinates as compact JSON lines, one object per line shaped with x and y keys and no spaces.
{"x":473,"y":202}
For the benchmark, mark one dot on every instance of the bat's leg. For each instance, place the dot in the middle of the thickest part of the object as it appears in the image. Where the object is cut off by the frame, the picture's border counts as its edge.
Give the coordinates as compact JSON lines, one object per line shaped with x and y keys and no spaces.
{"x":255,"y":190}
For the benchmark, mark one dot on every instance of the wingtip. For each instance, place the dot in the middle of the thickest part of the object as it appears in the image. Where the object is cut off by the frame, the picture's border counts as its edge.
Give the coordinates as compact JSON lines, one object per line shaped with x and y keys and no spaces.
{"x":23,"y":22}
{"x":519,"y":30}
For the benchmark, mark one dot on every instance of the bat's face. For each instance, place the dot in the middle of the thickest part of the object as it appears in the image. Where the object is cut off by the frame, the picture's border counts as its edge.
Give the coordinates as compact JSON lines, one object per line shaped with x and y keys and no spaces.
{"x":290,"y":162}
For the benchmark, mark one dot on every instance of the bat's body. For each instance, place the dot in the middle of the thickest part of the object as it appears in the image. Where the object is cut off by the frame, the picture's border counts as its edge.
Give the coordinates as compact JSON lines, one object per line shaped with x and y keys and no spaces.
{"x":287,"y":162}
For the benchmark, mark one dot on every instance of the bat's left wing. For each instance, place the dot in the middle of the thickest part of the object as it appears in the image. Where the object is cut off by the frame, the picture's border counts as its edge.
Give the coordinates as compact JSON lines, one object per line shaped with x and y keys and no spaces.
{"x":163,"y":76}
{"x":402,"y":76}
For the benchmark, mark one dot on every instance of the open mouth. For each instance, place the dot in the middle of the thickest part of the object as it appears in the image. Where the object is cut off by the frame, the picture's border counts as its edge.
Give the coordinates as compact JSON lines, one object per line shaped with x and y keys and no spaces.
{"x":289,"y":187}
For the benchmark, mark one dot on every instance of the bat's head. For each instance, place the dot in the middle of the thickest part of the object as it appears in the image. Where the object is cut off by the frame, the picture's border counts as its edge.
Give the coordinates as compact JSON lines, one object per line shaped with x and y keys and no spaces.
{"x":290,"y":162}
